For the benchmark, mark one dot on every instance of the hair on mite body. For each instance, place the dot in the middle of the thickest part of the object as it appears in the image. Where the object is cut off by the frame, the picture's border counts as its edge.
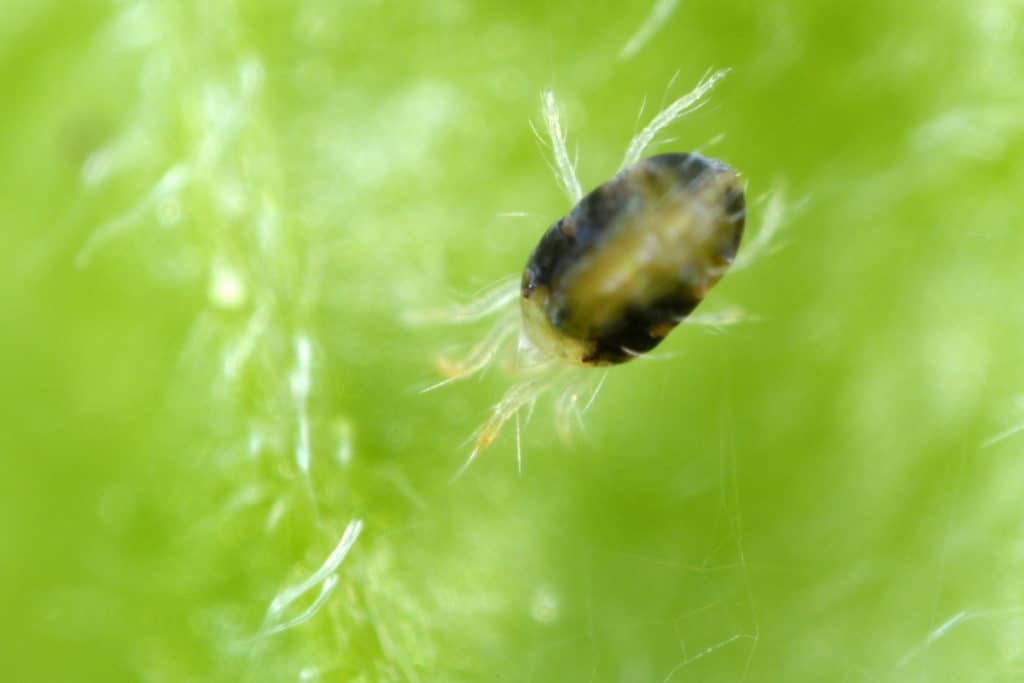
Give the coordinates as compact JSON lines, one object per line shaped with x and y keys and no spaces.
{"x":609,"y":280}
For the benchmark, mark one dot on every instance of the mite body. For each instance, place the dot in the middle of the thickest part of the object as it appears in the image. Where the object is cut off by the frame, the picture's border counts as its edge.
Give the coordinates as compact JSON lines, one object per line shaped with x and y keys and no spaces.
{"x":632,"y":259}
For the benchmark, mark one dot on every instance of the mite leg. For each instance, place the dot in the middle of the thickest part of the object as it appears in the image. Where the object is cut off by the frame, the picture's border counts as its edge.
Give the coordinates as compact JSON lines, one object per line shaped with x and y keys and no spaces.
{"x":565,"y":170}
{"x":716,"y":320}
{"x":480,"y":356}
{"x":515,"y":399}
{"x":761,"y":242}
{"x":574,"y":402}
{"x":689,"y":102}
{"x":491,"y":300}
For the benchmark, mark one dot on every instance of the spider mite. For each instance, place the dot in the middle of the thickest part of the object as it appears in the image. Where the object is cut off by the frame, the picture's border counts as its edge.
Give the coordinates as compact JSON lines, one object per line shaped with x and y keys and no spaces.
{"x":610,"y":279}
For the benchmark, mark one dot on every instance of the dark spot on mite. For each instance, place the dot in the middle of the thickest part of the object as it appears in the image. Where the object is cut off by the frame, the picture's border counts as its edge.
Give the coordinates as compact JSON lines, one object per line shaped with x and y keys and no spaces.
{"x":632,"y":332}
{"x":687,"y":169}
{"x":735,"y":212}
{"x":568,"y":227}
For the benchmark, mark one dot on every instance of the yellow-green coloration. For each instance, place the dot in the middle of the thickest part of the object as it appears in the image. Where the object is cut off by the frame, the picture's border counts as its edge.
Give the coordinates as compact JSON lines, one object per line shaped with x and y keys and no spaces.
{"x":196,"y":418}
{"x":609,"y":280}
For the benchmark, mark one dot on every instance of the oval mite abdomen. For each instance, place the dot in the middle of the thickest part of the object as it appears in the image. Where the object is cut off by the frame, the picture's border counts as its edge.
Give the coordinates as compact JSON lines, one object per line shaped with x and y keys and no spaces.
{"x":633,"y":258}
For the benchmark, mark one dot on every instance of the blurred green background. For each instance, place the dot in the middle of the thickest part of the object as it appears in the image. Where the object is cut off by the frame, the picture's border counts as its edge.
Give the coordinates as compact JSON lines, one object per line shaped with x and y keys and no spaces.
{"x":216,"y":214}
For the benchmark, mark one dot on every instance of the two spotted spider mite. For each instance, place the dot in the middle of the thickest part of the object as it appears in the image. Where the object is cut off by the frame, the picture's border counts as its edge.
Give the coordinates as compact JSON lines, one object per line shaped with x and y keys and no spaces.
{"x":609,"y":280}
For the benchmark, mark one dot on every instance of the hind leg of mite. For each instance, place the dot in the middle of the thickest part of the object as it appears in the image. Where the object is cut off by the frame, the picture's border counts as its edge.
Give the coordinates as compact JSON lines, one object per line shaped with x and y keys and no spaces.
{"x":519,"y":396}
{"x":575,"y":400}
{"x":772,"y":209}
{"x":499,"y":341}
